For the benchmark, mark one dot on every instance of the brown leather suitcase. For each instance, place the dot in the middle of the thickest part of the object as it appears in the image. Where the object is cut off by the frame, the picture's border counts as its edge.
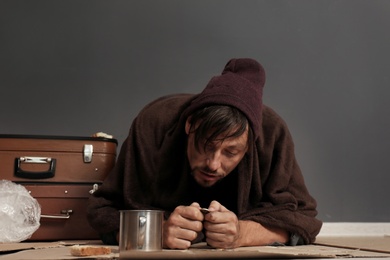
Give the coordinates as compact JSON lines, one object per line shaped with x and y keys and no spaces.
{"x":60,"y":172}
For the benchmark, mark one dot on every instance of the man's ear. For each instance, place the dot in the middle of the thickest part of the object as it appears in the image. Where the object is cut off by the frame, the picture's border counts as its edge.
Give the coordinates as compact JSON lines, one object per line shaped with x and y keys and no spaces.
{"x":188,"y":125}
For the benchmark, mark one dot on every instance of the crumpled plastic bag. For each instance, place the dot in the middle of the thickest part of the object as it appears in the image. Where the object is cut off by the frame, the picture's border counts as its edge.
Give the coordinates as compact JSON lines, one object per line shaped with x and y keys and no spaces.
{"x":20,"y":213}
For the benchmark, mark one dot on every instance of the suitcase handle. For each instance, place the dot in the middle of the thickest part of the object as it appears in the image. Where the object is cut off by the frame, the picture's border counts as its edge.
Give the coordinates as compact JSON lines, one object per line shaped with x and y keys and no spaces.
{"x":34,"y":175}
{"x":65,"y":214}
{"x":56,"y":216}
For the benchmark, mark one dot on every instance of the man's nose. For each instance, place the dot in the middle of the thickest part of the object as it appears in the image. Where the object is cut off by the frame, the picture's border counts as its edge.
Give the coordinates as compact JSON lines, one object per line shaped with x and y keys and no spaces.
{"x":214,"y":161}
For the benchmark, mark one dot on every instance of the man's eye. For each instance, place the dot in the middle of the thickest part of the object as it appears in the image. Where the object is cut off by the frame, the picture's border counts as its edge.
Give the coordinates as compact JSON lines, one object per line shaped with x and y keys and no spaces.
{"x":231,"y":153}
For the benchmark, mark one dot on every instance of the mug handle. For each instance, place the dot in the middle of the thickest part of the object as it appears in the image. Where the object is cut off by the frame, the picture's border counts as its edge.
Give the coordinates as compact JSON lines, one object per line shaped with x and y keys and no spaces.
{"x":141,"y":233}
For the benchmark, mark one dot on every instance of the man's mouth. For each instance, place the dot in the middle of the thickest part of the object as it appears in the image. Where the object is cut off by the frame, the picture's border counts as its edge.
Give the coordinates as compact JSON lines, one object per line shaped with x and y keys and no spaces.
{"x":209,"y":176}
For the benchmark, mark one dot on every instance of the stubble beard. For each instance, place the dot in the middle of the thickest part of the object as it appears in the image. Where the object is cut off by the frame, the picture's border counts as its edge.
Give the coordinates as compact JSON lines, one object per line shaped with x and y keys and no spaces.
{"x":201,"y":181}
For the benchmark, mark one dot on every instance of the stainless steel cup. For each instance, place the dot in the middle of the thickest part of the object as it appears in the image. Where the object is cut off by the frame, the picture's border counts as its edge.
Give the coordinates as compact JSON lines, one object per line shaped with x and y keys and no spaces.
{"x":141,"y":230}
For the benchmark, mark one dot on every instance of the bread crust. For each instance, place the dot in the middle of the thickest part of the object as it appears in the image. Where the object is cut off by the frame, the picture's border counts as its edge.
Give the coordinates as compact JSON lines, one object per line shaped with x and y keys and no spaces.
{"x":78,"y":250}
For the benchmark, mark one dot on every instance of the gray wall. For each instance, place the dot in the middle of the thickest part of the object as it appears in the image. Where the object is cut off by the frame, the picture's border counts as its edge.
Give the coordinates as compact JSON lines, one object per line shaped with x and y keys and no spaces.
{"x":78,"y":67}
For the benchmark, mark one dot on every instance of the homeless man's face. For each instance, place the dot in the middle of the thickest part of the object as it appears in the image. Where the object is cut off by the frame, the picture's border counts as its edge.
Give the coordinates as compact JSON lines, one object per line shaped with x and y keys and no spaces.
{"x":217,"y":159}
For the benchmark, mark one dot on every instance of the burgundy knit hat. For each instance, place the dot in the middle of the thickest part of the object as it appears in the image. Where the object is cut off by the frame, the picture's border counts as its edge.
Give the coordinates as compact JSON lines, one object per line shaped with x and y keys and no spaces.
{"x":240,"y":85}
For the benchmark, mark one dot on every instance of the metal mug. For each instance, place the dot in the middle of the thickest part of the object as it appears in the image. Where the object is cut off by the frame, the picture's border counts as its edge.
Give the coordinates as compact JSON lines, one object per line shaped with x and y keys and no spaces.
{"x":141,"y":230}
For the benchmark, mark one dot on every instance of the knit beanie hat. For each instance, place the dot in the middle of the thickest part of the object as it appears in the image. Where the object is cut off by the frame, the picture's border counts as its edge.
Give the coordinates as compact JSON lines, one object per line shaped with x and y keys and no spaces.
{"x":240,"y":85}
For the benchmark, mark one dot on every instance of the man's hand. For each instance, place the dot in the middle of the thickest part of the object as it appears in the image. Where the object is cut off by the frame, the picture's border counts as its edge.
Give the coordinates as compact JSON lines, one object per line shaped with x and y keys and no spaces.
{"x":182,"y":226}
{"x":224,"y":230}
{"x":222,"y":227}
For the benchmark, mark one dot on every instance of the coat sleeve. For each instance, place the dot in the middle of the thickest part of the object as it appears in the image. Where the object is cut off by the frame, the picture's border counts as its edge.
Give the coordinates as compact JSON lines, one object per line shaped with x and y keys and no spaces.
{"x":131,"y":184}
{"x":278,"y":196}
{"x":105,"y":203}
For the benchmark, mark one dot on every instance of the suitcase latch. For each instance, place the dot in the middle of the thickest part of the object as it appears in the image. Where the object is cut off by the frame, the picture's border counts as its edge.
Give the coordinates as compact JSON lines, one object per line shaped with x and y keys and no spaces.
{"x":95,"y":187}
{"x":88,"y":152}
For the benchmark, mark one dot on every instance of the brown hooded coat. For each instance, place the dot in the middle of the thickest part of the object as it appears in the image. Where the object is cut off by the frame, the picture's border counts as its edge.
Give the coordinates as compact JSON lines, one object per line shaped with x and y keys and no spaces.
{"x":152,"y":171}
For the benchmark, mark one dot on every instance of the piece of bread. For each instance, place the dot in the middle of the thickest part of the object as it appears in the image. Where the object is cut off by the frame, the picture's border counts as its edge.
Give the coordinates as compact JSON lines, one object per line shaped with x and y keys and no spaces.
{"x":104,"y":135}
{"x":78,"y":250}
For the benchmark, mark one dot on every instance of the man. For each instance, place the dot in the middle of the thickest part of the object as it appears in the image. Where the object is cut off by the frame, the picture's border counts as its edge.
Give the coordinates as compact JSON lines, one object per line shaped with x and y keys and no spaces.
{"x":221,"y":149}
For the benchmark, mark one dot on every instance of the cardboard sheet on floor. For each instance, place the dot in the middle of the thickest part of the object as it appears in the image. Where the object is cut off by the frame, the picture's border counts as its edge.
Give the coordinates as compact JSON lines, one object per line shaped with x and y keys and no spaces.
{"x":7,"y":248}
{"x":61,"y":250}
{"x":14,"y":247}
{"x":368,"y":243}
